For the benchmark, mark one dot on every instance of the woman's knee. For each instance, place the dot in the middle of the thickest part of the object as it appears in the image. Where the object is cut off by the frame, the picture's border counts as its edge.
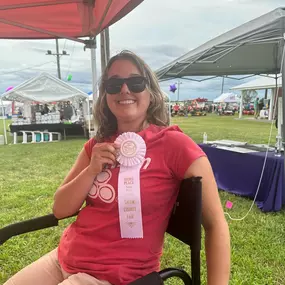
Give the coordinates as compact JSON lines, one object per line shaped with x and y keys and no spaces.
{"x":45,"y":271}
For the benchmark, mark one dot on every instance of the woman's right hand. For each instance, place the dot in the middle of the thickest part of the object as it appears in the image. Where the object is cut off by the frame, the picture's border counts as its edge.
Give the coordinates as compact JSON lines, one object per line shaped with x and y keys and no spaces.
{"x":102,"y":154}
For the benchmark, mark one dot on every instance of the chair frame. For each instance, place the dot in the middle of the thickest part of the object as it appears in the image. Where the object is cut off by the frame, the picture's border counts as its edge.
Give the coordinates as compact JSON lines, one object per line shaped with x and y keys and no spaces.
{"x":184,"y":224}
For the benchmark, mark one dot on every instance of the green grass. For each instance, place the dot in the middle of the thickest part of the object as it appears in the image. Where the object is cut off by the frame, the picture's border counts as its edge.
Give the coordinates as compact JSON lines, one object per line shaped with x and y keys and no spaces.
{"x":30,"y":175}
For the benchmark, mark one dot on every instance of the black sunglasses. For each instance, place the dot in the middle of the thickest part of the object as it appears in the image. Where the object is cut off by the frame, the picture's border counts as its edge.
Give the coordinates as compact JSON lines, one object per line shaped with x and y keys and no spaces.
{"x":136,"y":84}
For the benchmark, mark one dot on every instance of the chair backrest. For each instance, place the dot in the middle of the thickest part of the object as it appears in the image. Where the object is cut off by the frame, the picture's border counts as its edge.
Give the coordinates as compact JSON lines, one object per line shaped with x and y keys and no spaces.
{"x":186,"y":220}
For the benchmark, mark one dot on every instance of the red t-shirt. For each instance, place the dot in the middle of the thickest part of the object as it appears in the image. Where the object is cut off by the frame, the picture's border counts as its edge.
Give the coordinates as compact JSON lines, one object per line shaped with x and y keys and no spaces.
{"x":92,"y":244}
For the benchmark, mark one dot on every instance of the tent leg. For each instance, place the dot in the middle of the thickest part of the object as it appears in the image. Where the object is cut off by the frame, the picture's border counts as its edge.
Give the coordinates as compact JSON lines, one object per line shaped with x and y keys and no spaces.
{"x":283,"y":97}
{"x":240,"y":106}
{"x":94,"y":79}
{"x":94,"y":70}
{"x":272,"y":105}
{"x":89,"y":117}
{"x":4,"y":123}
{"x":283,"y":100}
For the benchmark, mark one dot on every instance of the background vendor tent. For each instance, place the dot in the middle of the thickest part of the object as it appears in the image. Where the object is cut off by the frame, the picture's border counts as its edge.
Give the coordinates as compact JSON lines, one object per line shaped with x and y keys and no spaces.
{"x":227,"y":98}
{"x":45,"y":88}
{"x":261,"y":83}
{"x":272,"y":82}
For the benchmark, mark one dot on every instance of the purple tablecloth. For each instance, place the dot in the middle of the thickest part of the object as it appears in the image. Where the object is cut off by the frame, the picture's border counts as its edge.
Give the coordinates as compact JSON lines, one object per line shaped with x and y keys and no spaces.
{"x":239,"y":173}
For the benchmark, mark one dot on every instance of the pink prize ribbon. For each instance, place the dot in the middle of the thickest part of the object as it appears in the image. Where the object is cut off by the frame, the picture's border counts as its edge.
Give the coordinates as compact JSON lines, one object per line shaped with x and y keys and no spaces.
{"x":131,"y":157}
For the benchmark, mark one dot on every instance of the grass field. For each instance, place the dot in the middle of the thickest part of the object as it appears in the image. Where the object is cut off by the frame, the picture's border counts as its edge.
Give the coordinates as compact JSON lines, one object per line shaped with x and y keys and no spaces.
{"x":30,"y":175}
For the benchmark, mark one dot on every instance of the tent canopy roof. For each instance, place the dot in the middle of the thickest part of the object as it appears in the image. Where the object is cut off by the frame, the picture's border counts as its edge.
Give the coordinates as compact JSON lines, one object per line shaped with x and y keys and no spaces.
{"x":47,"y":19}
{"x":253,"y":48}
{"x":260,"y":83}
{"x":227,"y":98}
{"x":44,"y":88}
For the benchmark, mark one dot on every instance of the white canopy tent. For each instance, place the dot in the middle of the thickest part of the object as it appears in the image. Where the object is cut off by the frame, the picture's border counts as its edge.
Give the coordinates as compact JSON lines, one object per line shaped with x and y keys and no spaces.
{"x":227,"y":98}
{"x":260,"y":83}
{"x":44,"y":88}
{"x":272,"y":82}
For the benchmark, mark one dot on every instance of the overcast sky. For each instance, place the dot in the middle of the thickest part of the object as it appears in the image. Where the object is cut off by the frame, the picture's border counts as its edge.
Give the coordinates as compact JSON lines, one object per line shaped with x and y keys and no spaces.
{"x":158,"y":30}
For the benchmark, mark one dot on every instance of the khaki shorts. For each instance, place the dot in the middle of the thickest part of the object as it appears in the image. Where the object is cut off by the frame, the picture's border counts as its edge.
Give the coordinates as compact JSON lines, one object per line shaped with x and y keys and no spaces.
{"x":47,"y":271}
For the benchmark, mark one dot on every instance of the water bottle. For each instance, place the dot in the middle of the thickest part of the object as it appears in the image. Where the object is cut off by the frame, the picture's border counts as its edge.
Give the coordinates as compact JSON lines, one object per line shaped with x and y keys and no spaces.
{"x":205,"y":138}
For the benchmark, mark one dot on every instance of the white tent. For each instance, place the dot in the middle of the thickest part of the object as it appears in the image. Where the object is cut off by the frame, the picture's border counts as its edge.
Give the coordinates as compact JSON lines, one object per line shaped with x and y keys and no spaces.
{"x":227,"y":98}
{"x":260,"y":83}
{"x":44,"y":88}
{"x":272,"y":82}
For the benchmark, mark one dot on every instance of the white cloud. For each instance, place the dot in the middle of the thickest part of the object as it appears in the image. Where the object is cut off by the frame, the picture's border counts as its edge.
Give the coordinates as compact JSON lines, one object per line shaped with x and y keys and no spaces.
{"x":159,"y":31}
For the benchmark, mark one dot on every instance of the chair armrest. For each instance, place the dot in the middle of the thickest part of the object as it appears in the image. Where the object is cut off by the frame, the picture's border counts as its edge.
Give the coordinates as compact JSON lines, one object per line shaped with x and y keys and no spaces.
{"x":29,"y":226}
{"x":175,"y":272}
{"x":158,"y":278}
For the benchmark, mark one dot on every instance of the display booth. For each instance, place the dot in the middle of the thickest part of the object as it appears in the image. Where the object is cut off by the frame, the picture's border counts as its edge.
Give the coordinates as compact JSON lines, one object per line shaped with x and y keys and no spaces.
{"x":226,"y":103}
{"x":49,"y":105}
{"x":272,"y":82}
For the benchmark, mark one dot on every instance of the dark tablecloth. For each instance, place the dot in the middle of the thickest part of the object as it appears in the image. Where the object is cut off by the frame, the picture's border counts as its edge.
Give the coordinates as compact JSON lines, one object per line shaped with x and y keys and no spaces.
{"x":65,"y":129}
{"x":239,"y":173}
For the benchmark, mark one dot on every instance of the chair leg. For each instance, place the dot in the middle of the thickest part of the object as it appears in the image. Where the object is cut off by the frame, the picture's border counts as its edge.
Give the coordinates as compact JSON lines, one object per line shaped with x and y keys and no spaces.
{"x":195,"y":266}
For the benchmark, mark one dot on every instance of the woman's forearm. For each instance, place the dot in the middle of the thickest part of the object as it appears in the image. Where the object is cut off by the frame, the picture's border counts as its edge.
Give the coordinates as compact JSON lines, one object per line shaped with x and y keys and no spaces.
{"x":69,"y":198}
{"x":217,"y":243}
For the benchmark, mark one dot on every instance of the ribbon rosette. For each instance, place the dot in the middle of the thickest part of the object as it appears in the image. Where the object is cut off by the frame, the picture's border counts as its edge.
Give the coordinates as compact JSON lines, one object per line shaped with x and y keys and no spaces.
{"x":132,"y":149}
{"x":131,"y":157}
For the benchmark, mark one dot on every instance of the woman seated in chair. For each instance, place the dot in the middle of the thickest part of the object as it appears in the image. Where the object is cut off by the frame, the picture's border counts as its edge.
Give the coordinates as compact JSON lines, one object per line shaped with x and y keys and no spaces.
{"x":129,"y":176}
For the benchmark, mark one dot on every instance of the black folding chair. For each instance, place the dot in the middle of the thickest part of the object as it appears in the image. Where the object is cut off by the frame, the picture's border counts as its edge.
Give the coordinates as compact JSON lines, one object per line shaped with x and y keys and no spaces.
{"x":184,"y":224}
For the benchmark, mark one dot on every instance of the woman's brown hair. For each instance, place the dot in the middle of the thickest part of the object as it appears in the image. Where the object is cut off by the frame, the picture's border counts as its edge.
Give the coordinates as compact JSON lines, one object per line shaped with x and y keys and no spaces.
{"x":106,"y":122}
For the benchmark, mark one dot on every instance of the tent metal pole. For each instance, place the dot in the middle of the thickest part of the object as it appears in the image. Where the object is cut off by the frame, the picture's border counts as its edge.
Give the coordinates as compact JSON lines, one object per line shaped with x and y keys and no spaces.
{"x":273,"y":100}
{"x":94,"y":69}
{"x":4,"y":122}
{"x":283,"y":95}
{"x":94,"y":79}
{"x":89,"y":123}
{"x":240,"y":106}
